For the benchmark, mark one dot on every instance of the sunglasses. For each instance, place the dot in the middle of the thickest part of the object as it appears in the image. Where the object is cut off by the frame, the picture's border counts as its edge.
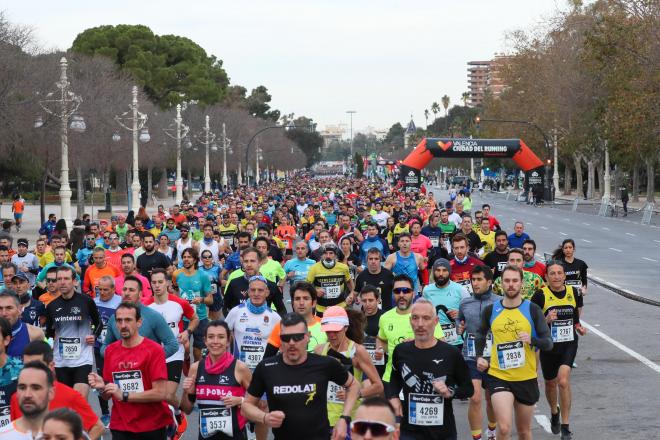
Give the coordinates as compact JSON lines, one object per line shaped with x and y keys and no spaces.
{"x":377,"y":429}
{"x":401,"y":290}
{"x":295,"y":337}
{"x":51,"y":280}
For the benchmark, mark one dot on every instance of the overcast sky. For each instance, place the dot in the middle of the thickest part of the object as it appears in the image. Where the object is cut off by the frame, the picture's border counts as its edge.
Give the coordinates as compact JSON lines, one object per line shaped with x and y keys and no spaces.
{"x":385,"y":59}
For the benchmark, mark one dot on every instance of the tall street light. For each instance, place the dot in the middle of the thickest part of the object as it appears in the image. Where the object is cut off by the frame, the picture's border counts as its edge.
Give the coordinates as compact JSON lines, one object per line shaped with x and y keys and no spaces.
{"x":137,"y":127}
{"x":351,"y":112}
{"x":63,"y":103}
{"x":225,"y":148}
{"x":206,"y":137}
{"x":178,"y":132}
{"x":259,"y":157}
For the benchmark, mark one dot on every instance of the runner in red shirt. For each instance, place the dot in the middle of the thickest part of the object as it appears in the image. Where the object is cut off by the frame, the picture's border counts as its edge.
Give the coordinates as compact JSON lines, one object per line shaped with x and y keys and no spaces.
{"x":135,"y":378}
{"x":462,"y":263}
{"x":529,"y":257}
{"x":65,"y":396}
{"x":420,"y":245}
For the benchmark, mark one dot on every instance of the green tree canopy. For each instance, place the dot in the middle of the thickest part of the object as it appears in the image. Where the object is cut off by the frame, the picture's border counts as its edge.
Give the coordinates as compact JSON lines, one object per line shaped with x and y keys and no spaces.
{"x":394,"y":136}
{"x":172,"y":69}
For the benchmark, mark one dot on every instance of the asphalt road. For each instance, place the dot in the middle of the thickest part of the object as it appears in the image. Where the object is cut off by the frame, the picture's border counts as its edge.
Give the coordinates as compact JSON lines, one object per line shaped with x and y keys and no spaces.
{"x":617,"y":250}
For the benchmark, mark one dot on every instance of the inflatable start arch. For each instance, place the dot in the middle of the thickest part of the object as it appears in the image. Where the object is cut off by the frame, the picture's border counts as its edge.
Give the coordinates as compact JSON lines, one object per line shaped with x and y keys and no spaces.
{"x":428,"y":148}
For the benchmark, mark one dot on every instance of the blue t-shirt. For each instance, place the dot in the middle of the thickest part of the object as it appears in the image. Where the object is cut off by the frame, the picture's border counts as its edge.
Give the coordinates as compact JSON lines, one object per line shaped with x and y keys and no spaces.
{"x":517,"y":242}
{"x":214,"y":276}
{"x":195,"y":286}
{"x":444,"y":299}
{"x":33,"y":311}
{"x":299,"y":269}
{"x":106,"y":311}
{"x":233,"y":262}
{"x":82,"y":256}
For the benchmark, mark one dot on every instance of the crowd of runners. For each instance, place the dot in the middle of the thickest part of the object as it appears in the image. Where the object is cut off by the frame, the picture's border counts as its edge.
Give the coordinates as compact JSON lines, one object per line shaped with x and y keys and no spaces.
{"x":305,"y":309}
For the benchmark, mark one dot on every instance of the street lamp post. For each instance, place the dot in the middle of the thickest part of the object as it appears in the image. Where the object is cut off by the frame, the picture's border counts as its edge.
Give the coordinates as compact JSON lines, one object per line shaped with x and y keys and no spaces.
{"x":139,"y":131}
{"x":547,"y":187}
{"x":65,"y":105}
{"x":257,"y":178}
{"x":351,"y":112}
{"x":225,"y":147}
{"x":555,"y":173}
{"x":207,"y":137}
{"x":178,"y":132}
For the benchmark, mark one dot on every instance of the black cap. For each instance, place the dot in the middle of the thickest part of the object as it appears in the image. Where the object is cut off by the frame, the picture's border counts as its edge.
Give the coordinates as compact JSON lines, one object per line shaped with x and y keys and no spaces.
{"x":22,"y":241}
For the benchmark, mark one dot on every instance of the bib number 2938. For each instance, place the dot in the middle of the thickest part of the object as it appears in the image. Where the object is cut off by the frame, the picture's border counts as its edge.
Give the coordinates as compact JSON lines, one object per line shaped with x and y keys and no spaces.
{"x":511,"y":355}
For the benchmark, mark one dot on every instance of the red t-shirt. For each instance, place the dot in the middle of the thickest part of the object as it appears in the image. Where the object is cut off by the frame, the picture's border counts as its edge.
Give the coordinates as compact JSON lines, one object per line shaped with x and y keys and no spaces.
{"x":493,"y":222}
{"x":65,"y":397}
{"x":145,"y":364}
{"x":538,"y":269}
{"x":460,"y":272}
{"x":179,"y":219}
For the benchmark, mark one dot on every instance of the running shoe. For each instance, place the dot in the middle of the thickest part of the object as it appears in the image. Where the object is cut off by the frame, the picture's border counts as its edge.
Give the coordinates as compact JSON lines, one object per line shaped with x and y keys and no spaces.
{"x":555,"y":424}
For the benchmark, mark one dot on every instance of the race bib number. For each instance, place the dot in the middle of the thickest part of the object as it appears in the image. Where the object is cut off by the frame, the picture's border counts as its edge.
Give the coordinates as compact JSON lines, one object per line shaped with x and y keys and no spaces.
{"x":5,"y":416}
{"x":562,"y":330}
{"x":215,"y":420}
{"x":451,"y":335}
{"x":252,"y":355}
{"x":104,"y":332}
{"x":435,"y":241}
{"x":70,"y":348}
{"x":426,"y":409}
{"x":333,"y":389}
{"x":370,"y":346}
{"x":511,"y":355}
{"x":332,"y":292}
{"x":129,"y":381}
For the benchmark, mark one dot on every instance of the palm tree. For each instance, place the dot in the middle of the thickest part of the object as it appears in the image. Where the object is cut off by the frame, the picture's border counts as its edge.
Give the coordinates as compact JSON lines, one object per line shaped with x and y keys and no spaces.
{"x":435,"y":108}
{"x":426,"y":116}
{"x":465,"y":96}
{"x":445,"y":104}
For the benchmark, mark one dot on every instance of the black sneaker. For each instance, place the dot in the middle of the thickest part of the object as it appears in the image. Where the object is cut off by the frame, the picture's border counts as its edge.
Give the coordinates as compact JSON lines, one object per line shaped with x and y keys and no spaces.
{"x":555,"y":424}
{"x":566,"y":435}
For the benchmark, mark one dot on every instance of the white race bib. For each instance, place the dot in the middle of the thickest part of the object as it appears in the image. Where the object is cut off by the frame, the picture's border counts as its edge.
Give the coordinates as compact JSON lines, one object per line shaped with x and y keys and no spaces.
{"x":129,"y":381}
{"x":5,"y":416}
{"x":426,"y":409}
{"x":471,"y":350}
{"x":252,"y":355}
{"x":70,"y":348}
{"x":435,"y":241}
{"x":562,"y":330}
{"x":332,"y":292}
{"x":511,"y":355}
{"x":214,"y":420}
{"x":333,"y":388}
{"x":370,"y":346}
{"x":451,"y":335}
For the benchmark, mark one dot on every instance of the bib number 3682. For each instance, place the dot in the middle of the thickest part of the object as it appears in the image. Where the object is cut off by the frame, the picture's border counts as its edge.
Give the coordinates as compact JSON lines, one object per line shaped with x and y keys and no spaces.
{"x":129,"y":381}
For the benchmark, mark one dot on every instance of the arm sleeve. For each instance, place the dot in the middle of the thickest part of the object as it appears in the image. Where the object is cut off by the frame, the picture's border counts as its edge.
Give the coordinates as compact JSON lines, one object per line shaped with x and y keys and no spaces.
{"x":395,"y":377}
{"x":539,"y":299}
{"x":257,"y":386}
{"x":484,"y":327}
{"x":543,"y":340}
{"x":583,"y":274}
{"x":275,"y":297}
{"x":463,"y":386}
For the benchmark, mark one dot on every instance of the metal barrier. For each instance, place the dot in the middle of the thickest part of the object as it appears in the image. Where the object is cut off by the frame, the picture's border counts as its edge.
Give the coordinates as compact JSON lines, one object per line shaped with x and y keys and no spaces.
{"x":575,"y":204}
{"x":648,"y":213}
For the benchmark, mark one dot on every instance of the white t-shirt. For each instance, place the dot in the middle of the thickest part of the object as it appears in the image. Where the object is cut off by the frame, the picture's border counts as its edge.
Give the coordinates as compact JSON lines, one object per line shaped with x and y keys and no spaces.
{"x":173,"y":313}
{"x":251,"y":332}
{"x":381,"y":218}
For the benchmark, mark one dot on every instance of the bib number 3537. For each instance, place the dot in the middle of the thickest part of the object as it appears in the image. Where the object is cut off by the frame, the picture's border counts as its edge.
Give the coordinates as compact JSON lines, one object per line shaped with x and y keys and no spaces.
{"x":214,"y":420}
{"x":511,"y":355}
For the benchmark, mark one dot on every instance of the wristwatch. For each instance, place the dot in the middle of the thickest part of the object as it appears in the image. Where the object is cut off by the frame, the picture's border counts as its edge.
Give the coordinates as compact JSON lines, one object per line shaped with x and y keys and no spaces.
{"x":124,"y":396}
{"x":347,"y":419}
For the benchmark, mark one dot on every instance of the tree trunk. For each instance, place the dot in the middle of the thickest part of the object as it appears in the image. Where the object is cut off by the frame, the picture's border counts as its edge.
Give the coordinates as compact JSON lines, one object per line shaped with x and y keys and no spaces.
{"x":122,"y":188}
{"x":616,"y":179}
{"x":80,"y":189}
{"x":162,"y":185}
{"x":149,"y":184}
{"x":577,"y":159}
{"x":591,"y":175}
{"x":42,"y":199}
{"x":601,"y":179}
{"x":190,"y":186}
{"x":650,"y":180}
{"x":567,"y":179}
{"x":635,"y":183}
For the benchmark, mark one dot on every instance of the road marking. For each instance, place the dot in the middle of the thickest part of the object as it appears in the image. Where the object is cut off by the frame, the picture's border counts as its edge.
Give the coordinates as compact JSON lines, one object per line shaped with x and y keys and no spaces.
{"x":586,"y":241}
{"x":628,"y":233}
{"x":563,"y":233}
{"x":616,"y":250}
{"x":650,"y":259}
{"x":586,"y":224}
{"x":657,"y":241}
{"x":652,"y":365}
{"x":605,"y":229}
{"x":544,"y":421}
{"x":543,"y":227}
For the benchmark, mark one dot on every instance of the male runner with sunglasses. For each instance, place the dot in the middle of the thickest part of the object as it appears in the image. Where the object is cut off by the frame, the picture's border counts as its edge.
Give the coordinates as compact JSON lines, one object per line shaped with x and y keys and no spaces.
{"x":296,"y":384}
{"x":374,"y":418}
